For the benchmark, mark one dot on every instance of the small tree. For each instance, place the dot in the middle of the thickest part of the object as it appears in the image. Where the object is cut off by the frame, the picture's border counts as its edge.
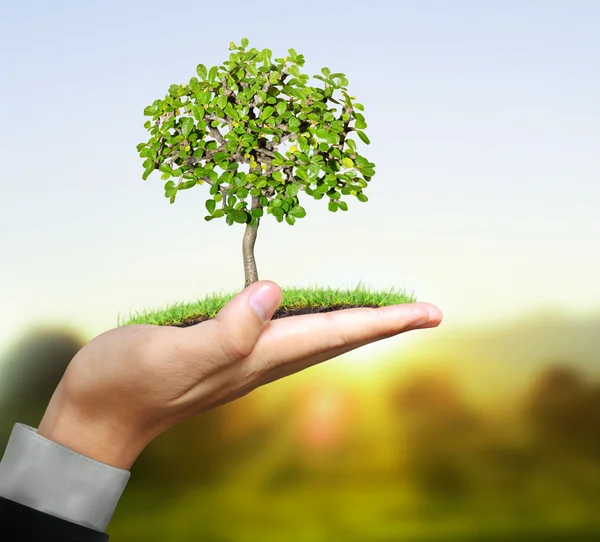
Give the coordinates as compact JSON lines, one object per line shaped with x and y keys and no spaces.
{"x":254,"y":129}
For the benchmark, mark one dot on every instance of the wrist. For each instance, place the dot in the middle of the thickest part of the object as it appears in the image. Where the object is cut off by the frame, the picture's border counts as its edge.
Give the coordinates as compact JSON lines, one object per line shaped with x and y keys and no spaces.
{"x":99,"y":439}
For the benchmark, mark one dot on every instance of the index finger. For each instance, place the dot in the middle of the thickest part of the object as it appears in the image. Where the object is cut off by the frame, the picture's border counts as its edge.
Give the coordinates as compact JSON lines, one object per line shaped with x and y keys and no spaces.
{"x":294,"y":343}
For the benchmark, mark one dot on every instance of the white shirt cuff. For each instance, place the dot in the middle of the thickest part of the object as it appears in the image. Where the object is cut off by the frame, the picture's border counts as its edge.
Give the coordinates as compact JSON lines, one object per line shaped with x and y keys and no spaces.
{"x":48,"y":477}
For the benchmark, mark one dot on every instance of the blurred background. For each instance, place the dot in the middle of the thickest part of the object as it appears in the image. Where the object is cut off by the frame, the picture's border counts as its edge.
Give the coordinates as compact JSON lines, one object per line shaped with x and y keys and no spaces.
{"x":485,"y":129}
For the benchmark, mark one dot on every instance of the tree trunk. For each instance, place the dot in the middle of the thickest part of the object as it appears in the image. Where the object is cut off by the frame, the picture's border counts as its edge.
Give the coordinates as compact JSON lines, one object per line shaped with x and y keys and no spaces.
{"x":250,"y":271}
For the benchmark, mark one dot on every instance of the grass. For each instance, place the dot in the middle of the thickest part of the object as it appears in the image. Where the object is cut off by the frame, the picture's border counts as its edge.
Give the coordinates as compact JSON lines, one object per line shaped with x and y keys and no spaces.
{"x":298,"y":300}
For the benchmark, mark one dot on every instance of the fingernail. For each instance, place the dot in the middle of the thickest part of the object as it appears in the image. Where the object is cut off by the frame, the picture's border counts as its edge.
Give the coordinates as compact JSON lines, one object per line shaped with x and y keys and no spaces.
{"x":432,"y":319}
{"x":421,"y":321}
{"x":262,"y":302}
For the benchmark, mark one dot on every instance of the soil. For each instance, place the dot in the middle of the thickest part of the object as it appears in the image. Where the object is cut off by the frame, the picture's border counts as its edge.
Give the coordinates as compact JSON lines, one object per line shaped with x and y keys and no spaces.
{"x":284,"y":312}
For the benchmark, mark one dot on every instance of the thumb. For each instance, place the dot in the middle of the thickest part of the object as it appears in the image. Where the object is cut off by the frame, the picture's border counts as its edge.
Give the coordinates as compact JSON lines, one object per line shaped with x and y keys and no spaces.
{"x":241,"y":321}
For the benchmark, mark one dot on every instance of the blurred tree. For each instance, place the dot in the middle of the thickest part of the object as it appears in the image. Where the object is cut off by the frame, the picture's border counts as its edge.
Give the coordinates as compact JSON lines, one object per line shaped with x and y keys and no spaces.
{"x":563,"y":410}
{"x":31,"y":371}
{"x":438,"y":433}
{"x":203,"y":449}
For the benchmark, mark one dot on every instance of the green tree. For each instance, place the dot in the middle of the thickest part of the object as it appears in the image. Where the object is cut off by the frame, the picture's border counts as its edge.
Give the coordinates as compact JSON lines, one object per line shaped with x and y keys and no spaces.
{"x":257,"y":133}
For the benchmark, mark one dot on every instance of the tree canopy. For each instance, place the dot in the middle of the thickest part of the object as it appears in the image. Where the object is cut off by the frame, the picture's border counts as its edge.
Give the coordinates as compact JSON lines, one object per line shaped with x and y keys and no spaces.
{"x":254,"y":126}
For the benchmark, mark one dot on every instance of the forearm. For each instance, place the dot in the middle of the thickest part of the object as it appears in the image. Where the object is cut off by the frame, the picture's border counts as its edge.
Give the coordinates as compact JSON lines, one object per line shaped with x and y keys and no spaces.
{"x":106,"y":441}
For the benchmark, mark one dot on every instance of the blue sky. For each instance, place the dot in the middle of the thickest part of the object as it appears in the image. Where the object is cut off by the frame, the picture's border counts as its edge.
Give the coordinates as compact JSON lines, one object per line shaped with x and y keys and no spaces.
{"x":485,"y":127}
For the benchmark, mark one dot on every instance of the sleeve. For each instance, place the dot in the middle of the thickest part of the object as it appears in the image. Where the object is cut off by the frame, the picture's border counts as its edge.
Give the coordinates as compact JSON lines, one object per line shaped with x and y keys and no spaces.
{"x":23,"y":524}
{"x":43,"y":475}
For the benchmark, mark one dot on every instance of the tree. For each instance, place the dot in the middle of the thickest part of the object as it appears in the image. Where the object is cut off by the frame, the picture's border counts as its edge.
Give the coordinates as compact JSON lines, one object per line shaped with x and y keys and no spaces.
{"x":255,"y":129}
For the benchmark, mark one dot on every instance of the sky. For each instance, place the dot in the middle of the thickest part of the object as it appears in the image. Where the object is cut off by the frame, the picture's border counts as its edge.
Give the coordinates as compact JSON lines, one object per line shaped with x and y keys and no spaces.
{"x":484,"y":125}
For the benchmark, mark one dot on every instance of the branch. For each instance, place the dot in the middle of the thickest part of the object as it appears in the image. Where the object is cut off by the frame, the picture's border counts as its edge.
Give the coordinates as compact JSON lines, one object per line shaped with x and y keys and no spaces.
{"x":266,"y":152}
{"x":216,"y":134}
{"x":271,"y":145}
{"x":348,"y":110}
{"x":171,"y":158}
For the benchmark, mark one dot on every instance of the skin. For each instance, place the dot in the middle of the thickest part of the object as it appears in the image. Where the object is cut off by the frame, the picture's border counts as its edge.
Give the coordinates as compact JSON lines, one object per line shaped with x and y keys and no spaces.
{"x":130,"y":384}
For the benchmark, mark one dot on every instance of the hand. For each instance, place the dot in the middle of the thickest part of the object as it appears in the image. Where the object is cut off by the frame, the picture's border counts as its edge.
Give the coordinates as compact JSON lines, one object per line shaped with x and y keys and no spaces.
{"x":130,"y":384}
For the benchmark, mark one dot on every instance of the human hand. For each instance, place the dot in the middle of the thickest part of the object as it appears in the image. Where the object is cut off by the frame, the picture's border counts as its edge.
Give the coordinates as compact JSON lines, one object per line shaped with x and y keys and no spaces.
{"x":130,"y":384}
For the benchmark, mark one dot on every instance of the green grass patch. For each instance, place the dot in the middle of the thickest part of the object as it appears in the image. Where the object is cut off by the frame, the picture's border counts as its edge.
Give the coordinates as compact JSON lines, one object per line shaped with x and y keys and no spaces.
{"x":293,"y":298}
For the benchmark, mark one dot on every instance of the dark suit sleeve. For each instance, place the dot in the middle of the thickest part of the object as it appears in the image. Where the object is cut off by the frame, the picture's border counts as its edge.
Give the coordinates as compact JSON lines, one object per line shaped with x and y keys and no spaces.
{"x":19,"y":523}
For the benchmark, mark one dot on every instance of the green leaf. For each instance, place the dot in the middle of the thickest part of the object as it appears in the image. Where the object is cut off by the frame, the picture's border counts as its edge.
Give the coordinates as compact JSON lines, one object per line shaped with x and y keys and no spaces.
{"x":220,"y":156}
{"x":239,"y":216}
{"x":267,"y":112}
{"x":149,"y":169}
{"x":187,"y":124}
{"x":257,"y":213}
{"x":201,"y":70}
{"x":342,"y":205}
{"x":222,"y":101}
{"x":347,"y":163}
{"x":292,"y":190}
{"x":361,"y":197}
{"x":281,"y":107}
{"x":231,"y":112}
{"x":210,"y":205}
{"x":332,"y":138}
{"x":302,"y":174}
{"x":212,"y":74}
{"x":298,"y":212}
{"x":245,"y":42}
{"x":187,"y":184}
{"x":363,"y":137}
{"x":290,"y":220}
{"x":360,"y":124}
{"x":333,"y":206}
{"x":219,"y":213}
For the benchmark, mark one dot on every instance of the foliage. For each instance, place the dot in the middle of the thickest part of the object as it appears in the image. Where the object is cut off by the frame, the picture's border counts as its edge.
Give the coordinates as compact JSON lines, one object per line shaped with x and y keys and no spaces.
{"x":254,"y":127}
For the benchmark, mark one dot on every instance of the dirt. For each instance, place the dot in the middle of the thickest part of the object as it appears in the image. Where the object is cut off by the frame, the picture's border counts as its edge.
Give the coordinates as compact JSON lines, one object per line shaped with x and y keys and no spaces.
{"x":284,"y":312}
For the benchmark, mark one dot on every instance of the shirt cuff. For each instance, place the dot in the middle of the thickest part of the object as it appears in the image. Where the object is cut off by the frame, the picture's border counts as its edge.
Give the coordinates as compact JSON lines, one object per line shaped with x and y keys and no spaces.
{"x":48,"y":477}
